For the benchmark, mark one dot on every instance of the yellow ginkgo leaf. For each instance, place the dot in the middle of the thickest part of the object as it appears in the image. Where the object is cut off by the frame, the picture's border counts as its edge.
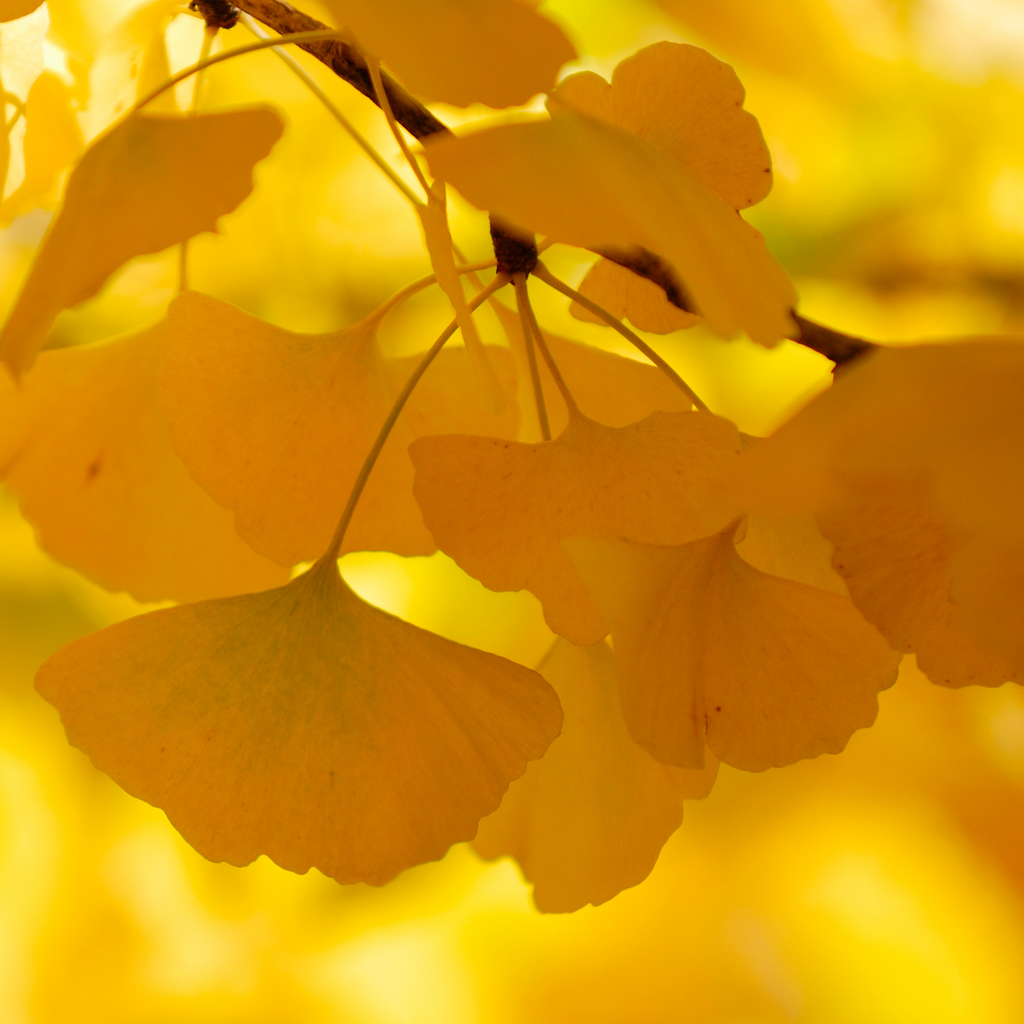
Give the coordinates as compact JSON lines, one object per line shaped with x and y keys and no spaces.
{"x":303,"y":724}
{"x":12,"y":9}
{"x":500,"y":509}
{"x":687,"y":104}
{"x":498,"y":52}
{"x":85,"y":448}
{"x":52,"y":142}
{"x":911,"y":462}
{"x":276,"y":425}
{"x":131,"y":62}
{"x":585,"y":182}
{"x":147,"y":184}
{"x":630,"y":297}
{"x":589,"y":819}
{"x":608,"y":388}
{"x":763,"y":670}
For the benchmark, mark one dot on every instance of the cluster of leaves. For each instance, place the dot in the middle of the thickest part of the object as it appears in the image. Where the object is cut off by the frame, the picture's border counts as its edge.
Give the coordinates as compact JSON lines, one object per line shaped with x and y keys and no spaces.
{"x":757,"y":593}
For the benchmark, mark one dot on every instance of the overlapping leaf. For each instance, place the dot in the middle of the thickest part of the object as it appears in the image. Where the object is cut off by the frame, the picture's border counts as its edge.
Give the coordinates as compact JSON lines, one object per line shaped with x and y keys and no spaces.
{"x":501,"y":509}
{"x":303,"y":724}
{"x":708,"y":650}
{"x":148,"y":183}
{"x":498,"y":52}
{"x":912,"y":464}
{"x":276,"y":425}
{"x":589,"y":819}
{"x":85,"y":449}
{"x":582,"y":181}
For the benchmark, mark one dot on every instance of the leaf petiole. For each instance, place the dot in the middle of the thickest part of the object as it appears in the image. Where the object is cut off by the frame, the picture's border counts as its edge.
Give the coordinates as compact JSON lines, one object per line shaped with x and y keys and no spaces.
{"x":560,"y":286}
{"x":218,"y":58}
{"x":334,"y":547}
{"x":523,"y":303}
{"x":526,"y":311}
{"x":385,"y":105}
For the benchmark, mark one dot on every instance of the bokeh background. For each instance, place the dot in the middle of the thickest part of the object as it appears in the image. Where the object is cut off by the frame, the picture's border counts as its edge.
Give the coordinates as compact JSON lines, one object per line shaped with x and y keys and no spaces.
{"x":882,"y":885}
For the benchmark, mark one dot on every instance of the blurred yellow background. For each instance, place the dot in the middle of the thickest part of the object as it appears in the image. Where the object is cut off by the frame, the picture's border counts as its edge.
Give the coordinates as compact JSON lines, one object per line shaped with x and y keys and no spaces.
{"x":883,"y":885}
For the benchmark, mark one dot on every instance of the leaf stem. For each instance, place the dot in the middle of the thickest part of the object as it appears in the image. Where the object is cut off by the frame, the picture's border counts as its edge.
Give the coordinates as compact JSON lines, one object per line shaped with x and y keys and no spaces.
{"x":385,"y":104}
{"x":538,"y":334}
{"x":334,"y":547}
{"x":209,"y":35}
{"x":560,"y":286}
{"x":218,"y":58}
{"x":522,"y":303}
{"x":424,"y":282}
{"x":307,"y":80}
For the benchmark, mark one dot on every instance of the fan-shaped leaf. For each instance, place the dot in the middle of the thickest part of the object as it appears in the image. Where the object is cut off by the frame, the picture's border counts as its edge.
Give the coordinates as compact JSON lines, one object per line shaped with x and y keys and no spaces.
{"x":303,"y":724}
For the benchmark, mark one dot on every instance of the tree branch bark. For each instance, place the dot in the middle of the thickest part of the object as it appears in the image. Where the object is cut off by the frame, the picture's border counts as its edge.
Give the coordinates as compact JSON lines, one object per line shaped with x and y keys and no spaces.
{"x":346,"y":62}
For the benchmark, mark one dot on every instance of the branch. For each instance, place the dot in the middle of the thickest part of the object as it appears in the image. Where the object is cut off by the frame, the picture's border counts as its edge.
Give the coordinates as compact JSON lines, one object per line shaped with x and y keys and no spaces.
{"x":513,"y":255}
{"x":346,"y":62}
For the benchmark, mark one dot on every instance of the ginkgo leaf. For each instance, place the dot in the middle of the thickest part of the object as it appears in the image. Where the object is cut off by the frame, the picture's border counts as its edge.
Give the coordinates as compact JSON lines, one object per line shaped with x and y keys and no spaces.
{"x":276,"y":425}
{"x":12,"y":9}
{"x":630,"y":297}
{"x":498,"y":52}
{"x":500,"y":509}
{"x":52,"y":143}
{"x":910,"y":461}
{"x":763,"y":670}
{"x":131,"y":62}
{"x":687,"y":104}
{"x":897,"y":554}
{"x":147,"y":184}
{"x":582,"y":181}
{"x":608,"y":388}
{"x":303,"y":724}
{"x":589,"y":819}
{"x":85,"y":448}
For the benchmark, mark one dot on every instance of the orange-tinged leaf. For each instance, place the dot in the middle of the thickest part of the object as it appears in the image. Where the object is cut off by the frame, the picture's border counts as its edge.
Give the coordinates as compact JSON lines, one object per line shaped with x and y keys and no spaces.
{"x":52,"y":143}
{"x":276,"y":425}
{"x":630,"y":297}
{"x":897,"y":554}
{"x":911,"y":462}
{"x":147,"y":184}
{"x":498,"y":52}
{"x":764,"y":670}
{"x":689,"y":105}
{"x":589,"y":819}
{"x":12,"y":9}
{"x":500,"y":509}
{"x":85,"y":448}
{"x":581,"y":181}
{"x":608,"y":388}
{"x":303,"y":724}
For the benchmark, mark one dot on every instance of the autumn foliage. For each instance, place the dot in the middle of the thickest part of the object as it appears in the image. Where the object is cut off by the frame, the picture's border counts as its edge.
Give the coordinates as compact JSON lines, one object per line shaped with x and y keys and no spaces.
{"x":716,"y":597}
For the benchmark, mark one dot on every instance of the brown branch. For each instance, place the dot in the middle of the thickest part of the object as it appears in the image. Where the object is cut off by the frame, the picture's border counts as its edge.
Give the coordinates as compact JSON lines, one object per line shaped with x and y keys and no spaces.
{"x":511,"y":246}
{"x":346,"y":62}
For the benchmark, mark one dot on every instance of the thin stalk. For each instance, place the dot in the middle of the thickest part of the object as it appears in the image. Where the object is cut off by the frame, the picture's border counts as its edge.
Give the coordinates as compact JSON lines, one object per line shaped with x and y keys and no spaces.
{"x":424,"y":282}
{"x":385,"y":104}
{"x":209,"y":35}
{"x":297,"y":69}
{"x":219,"y":58}
{"x":560,"y":286}
{"x":522,"y":304}
{"x":334,"y":547}
{"x":523,"y":297}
